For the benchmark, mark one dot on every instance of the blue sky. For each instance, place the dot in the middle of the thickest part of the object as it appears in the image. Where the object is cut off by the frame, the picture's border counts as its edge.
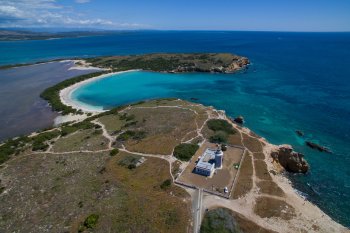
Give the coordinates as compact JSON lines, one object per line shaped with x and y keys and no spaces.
{"x":261,"y":15}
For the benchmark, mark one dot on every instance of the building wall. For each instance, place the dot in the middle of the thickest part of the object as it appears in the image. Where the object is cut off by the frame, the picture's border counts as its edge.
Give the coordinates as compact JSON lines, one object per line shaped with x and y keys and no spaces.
{"x":203,"y":172}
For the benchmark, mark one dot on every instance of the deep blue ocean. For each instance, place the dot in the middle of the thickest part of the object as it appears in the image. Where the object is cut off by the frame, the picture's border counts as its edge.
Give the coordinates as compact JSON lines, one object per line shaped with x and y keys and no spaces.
{"x":297,"y":81}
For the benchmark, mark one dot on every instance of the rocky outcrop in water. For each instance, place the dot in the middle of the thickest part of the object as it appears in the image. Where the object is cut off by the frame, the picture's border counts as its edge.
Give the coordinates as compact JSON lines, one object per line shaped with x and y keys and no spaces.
{"x":299,"y":133}
{"x":291,"y":161}
{"x":315,"y":146}
{"x":239,"y":120}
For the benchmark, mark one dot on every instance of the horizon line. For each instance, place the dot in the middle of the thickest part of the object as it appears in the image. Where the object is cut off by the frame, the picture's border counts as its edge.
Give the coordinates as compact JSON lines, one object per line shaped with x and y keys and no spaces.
{"x":67,"y":29}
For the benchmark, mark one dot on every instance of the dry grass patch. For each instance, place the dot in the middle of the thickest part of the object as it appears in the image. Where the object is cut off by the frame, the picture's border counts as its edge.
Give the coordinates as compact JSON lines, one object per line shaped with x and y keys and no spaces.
{"x":267,"y":207}
{"x":112,"y":123}
{"x":244,"y":182}
{"x":225,"y":220}
{"x":149,"y":207}
{"x":57,"y":192}
{"x":156,"y":144}
{"x":270,"y":187}
{"x":261,"y":170}
{"x":235,"y":139}
{"x":259,"y":155}
{"x":161,"y":102}
{"x":249,"y":226}
{"x":164,"y":127}
{"x":252,"y":144}
{"x":190,"y":136}
{"x":207,"y":133}
{"x":90,"y":139}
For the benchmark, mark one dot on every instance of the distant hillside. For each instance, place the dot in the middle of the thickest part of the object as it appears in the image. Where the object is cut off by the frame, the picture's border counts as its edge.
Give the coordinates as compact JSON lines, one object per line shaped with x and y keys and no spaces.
{"x":8,"y":35}
{"x":173,"y":63}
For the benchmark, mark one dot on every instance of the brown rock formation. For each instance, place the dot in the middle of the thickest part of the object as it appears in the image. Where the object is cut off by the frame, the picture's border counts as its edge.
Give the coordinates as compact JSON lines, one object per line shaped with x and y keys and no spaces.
{"x":291,"y":161}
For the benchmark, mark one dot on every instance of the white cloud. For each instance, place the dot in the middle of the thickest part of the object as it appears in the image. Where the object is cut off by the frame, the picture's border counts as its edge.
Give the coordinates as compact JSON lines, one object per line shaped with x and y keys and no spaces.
{"x":48,"y":13}
{"x":10,"y":11}
{"x":82,"y":1}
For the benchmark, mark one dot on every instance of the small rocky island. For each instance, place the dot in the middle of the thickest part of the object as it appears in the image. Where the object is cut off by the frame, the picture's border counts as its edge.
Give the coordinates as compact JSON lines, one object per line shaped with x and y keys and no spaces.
{"x":318,"y":147}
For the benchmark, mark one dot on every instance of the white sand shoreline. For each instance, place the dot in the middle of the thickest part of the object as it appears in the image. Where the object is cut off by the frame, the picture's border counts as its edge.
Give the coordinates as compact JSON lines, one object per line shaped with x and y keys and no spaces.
{"x":66,"y":93}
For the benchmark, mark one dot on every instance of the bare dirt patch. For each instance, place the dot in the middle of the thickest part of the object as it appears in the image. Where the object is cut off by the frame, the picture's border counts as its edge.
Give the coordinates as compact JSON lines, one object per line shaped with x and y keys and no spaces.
{"x":235,"y":139}
{"x":270,"y":187}
{"x":261,"y":170}
{"x":244,"y":182}
{"x":252,"y":144}
{"x":249,"y":226}
{"x":267,"y":207}
{"x":259,"y":155}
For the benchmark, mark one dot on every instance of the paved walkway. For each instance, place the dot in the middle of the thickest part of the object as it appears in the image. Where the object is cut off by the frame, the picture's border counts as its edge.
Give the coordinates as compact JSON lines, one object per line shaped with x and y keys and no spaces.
{"x":197,"y":210}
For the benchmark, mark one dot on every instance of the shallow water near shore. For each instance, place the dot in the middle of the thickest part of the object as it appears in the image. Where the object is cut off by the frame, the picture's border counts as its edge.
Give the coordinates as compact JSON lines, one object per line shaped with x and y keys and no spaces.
{"x":297,"y":81}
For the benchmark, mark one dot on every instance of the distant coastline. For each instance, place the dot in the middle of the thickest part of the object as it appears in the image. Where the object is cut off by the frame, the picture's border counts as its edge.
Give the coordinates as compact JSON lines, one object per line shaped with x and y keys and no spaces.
{"x":18,"y":35}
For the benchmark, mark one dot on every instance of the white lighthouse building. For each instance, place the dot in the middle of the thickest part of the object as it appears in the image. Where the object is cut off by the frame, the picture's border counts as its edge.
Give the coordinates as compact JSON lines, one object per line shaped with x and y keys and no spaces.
{"x":218,"y":158}
{"x":209,"y":161}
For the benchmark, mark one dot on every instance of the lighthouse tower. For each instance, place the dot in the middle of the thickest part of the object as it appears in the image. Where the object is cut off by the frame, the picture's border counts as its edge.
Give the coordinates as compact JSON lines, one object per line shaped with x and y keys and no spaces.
{"x":218,"y":158}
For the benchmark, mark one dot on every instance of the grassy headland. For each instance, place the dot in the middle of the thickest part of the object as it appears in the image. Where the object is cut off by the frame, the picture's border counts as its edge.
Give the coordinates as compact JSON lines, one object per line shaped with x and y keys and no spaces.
{"x":177,"y":62}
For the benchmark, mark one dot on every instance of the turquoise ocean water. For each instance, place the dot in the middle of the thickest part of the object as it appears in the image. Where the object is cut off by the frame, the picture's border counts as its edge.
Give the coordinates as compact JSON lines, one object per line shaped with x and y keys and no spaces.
{"x":297,"y":81}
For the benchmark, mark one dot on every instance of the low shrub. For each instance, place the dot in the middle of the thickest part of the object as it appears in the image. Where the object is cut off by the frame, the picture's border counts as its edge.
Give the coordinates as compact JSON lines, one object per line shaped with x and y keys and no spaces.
{"x":12,"y":146}
{"x":129,"y":134}
{"x":224,"y":147}
{"x":220,"y":125}
{"x":185,"y":151}
{"x":127,"y":117}
{"x":219,"y":137}
{"x":68,"y":129}
{"x":114,"y":152}
{"x":89,"y":223}
{"x":40,"y":141}
{"x":166,"y":184}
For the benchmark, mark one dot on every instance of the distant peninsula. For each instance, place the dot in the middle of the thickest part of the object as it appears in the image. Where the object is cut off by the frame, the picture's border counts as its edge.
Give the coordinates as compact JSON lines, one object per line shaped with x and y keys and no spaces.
{"x":173,"y":62}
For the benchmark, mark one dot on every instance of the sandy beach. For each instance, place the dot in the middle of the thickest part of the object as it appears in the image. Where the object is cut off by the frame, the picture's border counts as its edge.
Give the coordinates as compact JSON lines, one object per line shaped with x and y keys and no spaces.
{"x":66,"y":94}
